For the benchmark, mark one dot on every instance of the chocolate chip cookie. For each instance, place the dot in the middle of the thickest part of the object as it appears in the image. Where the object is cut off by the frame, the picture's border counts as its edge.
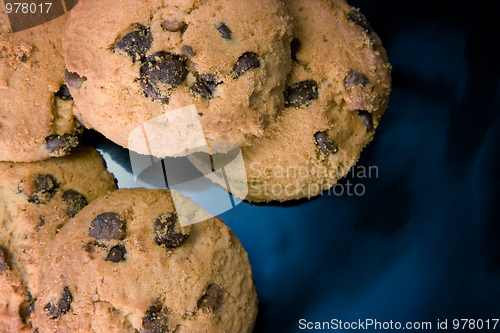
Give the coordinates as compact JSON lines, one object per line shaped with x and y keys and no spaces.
{"x":36,"y":199}
{"x":335,"y":97}
{"x":127,"y":263}
{"x":36,"y":107}
{"x":136,"y":60}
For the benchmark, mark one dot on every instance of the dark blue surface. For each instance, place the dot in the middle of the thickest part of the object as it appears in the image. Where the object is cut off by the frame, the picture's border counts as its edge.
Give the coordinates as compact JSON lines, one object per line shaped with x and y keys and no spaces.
{"x":423,"y":242}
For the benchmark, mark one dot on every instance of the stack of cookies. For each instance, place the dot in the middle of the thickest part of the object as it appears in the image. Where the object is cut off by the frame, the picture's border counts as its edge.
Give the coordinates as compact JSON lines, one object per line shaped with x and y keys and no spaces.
{"x":300,"y":86}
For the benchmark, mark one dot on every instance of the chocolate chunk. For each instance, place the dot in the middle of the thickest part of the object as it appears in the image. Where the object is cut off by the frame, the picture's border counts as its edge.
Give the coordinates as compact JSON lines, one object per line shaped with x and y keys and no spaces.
{"x":156,"y":319}
{"x":60,"y":145}
{"x":74,"y":201}
{"x":107,"y":225}
{"x":210,"y":80}
{"x":27,"y":308}
{"x":63,"y":305}
{"x":154,"y":94}
{"x":200,"y":88}
{"x":358,"y":18}
{"x":247,"y":61}
{"x":205,"y":87}
{"x":31,"y":308}
{"x":89,"y":247}
{"x":224,"y":31}
{"x":3,"y":259}
{"x":325,"y":143}
{"x":63,"y":93}
{"x":295,"y":48}
{"x":162,"y":73}
{"x":136,"y":43}
{"x":41,"y":222}
{"x":354,"y":77}
{"x":212,"y":298}
{"x":42,"y":189}
{"x":117,"y":253}
{"x":187,"y":51}
{"x":168,"y":231}
{"x":301,"y":93}
{"x":173,"y":26}
{"x":73,"y":79}
{"x":367,"y":119}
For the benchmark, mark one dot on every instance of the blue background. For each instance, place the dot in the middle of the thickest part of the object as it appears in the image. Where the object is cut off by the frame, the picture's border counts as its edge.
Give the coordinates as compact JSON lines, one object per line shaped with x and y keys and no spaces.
{"x":423,"y":242}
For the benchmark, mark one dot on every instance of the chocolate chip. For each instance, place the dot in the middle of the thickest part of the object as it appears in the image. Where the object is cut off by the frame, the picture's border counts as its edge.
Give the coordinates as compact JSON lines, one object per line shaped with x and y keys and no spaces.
{"x":154,"y":94}
{"x":63,"y":93}
{"x":41,"y":222}
{"x":224,"y":31}
{"x":27,"y":308}
{"x":136,"y":43}
{"x":205,"y":87}
{"x":199,"y":88}
{"x":89,"y":247}
{"x":295,"y":48}
{"x":301,"y":93}
{"x":210,"y":79}
{"x":45,"y":183}
{"x":247,"y":61}
{"x":173,"y":26}
{"x":212,"y":298}
{"x":60,"y":145}
{"x":156,"y":319}
{"x":354,"y":77}
{"x":161,"y":73}
{"x":3,"y":259}
{"x":41,"y":189}
{"x":358,"y":18}
{"x":117,"y":253}
{"x":63,"y":305}
{"x":367,"y":119}
{"x":187,"y":51}
{"x":168,"y":231}
{"x":107,"y":225}
{"x":31,"y":308}
{"x":74,"y":201}
{"x":73,"y":79}
{"x":325,"y":143}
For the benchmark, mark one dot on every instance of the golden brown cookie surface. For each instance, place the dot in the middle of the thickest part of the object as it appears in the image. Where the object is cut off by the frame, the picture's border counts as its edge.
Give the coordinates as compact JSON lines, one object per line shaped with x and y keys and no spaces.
{"x":36,"y":199}
{"x":36,"y":108}
{"x":140,"y":59}
{"x":124,"y":263}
